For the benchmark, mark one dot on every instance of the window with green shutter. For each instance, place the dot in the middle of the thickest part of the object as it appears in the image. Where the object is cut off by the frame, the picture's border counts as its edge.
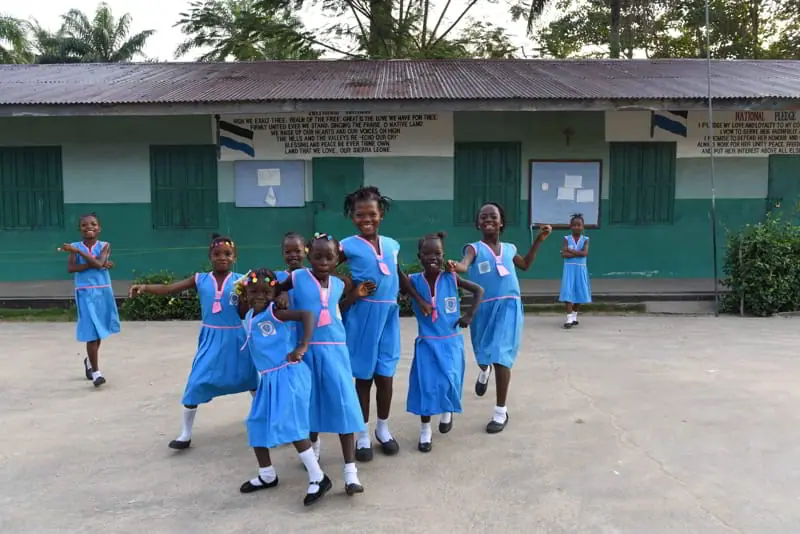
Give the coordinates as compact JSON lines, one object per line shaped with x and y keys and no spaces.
{"x":31,"y":188}
{"x":642,"y":190}
{"x":486,"y":172}
{"x":183,"y":190}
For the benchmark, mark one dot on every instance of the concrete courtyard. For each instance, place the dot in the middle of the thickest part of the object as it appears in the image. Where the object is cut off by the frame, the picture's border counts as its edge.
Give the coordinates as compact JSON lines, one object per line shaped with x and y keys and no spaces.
{"x":641,"y":425}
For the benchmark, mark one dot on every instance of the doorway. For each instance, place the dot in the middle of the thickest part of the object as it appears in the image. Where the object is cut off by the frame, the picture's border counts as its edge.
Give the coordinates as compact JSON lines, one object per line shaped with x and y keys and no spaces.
{"x":783,"y":189}
{"x":333,"y":179}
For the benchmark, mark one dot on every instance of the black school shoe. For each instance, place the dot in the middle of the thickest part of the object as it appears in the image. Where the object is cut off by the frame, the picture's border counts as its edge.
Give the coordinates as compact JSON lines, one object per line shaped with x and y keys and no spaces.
{"x":99,"y":381}
{"x":480,"y":389}
{"x":87,"y":368}
{"x":444,"y":428}
{"x":494,"y":427}
{"x":353,"y":489}
{"x":389,"y":448}
{"x":248,"y":487}
{"x":325,"y":486}
{"x":425,"y":447}
{"x":364,"y":455}
{"x":179,"y":445}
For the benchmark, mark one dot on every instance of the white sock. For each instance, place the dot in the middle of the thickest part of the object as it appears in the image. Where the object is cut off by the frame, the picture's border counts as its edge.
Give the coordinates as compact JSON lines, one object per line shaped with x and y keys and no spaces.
{"x":425,"y":434}
{"x":267,"y":474}
{"x":574,"y":316}
{"x":382,"y":430}
{"x":363,"y":441}
{"x":446,"y":417}
{"x":569,"y":318}
{"x":87,"y":364}
{"x":315,"y":473}
{"x":351,"y":474}
{"x":315,"y":446}
{"x":499,"y":414}
{"x":188,"y":422}
{"x":483,"y":376}
{"x":96,"y":375}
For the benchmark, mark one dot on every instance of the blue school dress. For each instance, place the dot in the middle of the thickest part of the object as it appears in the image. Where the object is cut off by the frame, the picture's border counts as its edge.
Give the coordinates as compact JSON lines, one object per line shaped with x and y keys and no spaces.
{"x":373,"y":323}
{"x":219,"y":367}
{"x":98,"y":316}
{"x":334,"y":402}
{"x":496,"y":328}
{"x":575,"y":285}
{"x":279,"y":412}
{"x":437,"y":371}
{"x":282,"y":277}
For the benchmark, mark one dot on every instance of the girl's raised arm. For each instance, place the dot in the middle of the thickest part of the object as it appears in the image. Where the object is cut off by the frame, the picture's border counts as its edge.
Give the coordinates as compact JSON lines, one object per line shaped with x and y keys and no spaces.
{"x":463,"y":265}
{"x":162,"y":289}
{"x":524,"y":262}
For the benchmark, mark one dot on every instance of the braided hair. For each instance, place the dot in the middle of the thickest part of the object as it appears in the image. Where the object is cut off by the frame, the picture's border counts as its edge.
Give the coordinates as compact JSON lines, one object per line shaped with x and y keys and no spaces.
{"x":263,"y":275}
{"x":323,"y":237}
{"x":363,"y":194}
{"x":499,"y":209}
{"x":217,"y":240}
{"x":428,"y":237}
{"x":575,"y":216}
{"x":294,"y":235}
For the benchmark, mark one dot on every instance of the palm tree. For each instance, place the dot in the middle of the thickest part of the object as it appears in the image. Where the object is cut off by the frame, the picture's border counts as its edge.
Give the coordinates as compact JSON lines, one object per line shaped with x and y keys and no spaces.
{"x":55,"y":47}
{"x":104,"y":39}
{"x":239,"y":30}
{"x":14,"y":45}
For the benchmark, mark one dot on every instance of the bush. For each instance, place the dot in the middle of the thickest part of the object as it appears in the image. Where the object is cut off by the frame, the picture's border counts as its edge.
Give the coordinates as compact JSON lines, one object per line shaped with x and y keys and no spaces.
{"x":184,"y":307}
{"x":762,"y":267}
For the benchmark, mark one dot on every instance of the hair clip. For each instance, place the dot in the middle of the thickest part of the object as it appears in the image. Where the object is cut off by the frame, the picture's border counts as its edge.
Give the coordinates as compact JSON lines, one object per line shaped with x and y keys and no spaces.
{"x":273,"y":283}
{"x":306,"y":251}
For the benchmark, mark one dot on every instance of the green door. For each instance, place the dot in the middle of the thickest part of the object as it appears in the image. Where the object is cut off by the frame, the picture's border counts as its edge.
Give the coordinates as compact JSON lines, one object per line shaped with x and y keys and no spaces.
{"x":334,"y":178}
{"x":783,"y":190}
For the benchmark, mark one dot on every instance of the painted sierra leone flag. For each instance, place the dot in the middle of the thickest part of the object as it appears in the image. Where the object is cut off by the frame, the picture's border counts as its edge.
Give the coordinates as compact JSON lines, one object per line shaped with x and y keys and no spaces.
{"x":236,"y":138}
{"x":674,"y":122}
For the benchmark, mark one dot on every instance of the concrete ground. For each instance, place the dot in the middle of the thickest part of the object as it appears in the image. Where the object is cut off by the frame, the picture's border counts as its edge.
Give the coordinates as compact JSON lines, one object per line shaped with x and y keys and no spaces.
{"x":624,"y":425}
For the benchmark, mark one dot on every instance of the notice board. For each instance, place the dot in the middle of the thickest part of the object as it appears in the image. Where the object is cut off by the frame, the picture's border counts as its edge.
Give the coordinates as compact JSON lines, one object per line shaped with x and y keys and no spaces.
{"x":559,"y":189}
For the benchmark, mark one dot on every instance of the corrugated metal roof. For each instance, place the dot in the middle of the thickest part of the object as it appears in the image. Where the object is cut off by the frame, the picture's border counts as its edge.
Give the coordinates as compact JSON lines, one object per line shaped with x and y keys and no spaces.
{"x":173,"y":83}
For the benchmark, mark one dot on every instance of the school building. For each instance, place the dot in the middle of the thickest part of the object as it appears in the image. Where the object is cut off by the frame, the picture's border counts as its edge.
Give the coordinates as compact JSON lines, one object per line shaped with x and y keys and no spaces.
{"x":166,"y":154}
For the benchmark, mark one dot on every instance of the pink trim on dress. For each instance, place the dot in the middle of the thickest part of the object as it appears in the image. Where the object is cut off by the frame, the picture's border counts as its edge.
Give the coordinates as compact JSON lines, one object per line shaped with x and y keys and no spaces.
{"x":281,"y":366}
{"x":91,"y":287}
{"x":440,"y":337}
{"x":500,"y":298}
{"x":498,"y":259}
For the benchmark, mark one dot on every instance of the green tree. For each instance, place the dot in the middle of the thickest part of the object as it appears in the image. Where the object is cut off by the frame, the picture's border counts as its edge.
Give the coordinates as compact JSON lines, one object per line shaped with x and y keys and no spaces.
{"x":104,"y":38}
{"x":243,"y":31}
{"x":14,"y":44}
{"x":787,"y":45}
{"x":387,"y":29}
{"x":55,"y":47}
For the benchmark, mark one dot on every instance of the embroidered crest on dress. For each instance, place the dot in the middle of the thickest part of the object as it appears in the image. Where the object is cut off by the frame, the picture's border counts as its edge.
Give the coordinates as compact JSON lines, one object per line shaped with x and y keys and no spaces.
{"x":450,"y":305}
{"x":484,"y":267}
{"x":234,"y":300}
{"x":267,"y":328}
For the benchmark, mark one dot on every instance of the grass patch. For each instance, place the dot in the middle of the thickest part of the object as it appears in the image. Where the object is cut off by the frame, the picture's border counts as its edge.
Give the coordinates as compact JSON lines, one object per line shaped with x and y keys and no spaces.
{"x":40,"y":315}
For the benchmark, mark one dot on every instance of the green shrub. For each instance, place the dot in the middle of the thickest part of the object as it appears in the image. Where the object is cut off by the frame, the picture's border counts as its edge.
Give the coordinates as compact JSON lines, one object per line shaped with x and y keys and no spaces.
{"x":762,"y":268}
{"x":185,"y":306}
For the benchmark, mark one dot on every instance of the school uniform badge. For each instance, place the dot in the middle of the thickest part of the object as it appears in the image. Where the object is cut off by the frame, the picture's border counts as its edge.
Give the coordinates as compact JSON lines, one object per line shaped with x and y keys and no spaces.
{"x":234,"y":299}
{"x":484,"y":267}
{"x":267,"y":328}
{"x":450,"y":305}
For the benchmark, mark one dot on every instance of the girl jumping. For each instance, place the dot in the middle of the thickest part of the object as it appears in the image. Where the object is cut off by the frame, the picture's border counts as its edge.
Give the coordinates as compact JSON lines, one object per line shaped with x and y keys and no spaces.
{"x":334,"y":403}
{"x":575,"y":286}
{"x":280,"y":410}
{"x":219,"y":367}
{"x":437,"y":371}
{"x":373,"y":322}
{"x":497,"y":327}
{"x":98,"y":316}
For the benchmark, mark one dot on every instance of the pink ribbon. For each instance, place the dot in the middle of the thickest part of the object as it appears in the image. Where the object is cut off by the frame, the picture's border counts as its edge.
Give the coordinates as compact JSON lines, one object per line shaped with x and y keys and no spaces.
{"x":379,"y":257}
{"x":218,"y":290}
{"x":324,"y":314}
{"x":498,"y":259}
{"x":432,"y":294}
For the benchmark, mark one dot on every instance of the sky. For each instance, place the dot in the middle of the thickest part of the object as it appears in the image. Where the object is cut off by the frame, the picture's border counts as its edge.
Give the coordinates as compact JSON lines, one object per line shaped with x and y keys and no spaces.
{"x":160,"y":15}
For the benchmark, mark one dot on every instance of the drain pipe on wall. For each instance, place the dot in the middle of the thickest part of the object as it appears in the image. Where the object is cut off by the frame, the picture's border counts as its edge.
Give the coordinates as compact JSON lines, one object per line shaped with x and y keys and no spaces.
{"x":711,"y":147}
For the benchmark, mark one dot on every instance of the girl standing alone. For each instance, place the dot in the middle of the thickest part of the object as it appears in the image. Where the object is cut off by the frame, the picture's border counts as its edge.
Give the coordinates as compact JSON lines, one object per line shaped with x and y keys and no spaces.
{"x":575,"y":286}
{"x":373,"y":322}
{"x":497,"y":327}
{"x":437,"y":371}
{"x":98,"y":316}
{"x":219,"y":367}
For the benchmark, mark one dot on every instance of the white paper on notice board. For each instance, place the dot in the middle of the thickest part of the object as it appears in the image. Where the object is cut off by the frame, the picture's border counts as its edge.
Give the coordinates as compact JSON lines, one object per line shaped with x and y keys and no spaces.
{"x":271,"y":199}
{"x":269,"y":177}
{"x":585,"y":196}
{"x":566,"y":193}
{"x":574,"y":181}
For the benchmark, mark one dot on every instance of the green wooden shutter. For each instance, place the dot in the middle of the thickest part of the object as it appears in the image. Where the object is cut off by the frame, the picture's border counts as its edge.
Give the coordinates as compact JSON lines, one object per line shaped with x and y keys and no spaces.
{"x":184,"y":186}
{"x":31,"y":188}
{"x":642,"y":188}
{"x":486,"y":172}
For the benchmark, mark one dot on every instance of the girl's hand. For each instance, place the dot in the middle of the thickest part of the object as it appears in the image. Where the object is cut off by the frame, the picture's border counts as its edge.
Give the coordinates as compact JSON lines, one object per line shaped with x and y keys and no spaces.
{"x":465,"y":320}
{"x":66,"y":247}
{"x":453,"y":266}
{"x":109,"y":264}
{"x":136,"y":290}
{"x":282,"y":302}
{"x":297,"y":354}
{"x":425,"y":307}
{"x":365,"y":289}
{"x":545,"y":232}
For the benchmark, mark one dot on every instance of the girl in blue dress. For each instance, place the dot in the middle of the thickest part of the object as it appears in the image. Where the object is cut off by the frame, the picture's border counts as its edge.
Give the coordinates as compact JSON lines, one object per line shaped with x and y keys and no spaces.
{"x":279,"y":413}
{"x":98,"y":317}
{"x":334,"y":403}
{"x":294,"y":254}
{"x":437,"y":371}
{"x":575,"y":286}
{"x":219,"y":367}
{"x":373,"y":322}
{"x":497,"y":327}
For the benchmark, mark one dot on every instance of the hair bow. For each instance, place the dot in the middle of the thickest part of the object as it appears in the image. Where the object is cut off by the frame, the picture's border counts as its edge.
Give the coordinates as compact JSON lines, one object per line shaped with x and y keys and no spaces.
{"x":317,"y":235}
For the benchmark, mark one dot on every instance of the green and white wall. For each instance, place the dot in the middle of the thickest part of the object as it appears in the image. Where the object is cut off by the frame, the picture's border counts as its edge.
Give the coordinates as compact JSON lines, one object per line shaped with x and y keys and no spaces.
{"x":106,"y":169}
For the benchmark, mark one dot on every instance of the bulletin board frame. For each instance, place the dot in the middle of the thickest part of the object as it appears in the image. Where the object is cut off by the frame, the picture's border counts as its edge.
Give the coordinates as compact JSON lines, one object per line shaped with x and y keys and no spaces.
{"x":534,"y":186}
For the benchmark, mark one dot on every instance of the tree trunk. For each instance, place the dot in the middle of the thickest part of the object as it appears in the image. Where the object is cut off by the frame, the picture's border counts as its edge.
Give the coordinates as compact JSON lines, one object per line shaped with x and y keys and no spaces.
{"x":380,"y":29}
{"x":614,"y":47}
